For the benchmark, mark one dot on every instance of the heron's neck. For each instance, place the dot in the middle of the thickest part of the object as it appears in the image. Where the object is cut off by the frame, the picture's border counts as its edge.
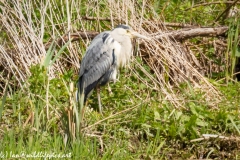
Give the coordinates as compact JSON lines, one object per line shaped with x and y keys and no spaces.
{"x":125,"y":52}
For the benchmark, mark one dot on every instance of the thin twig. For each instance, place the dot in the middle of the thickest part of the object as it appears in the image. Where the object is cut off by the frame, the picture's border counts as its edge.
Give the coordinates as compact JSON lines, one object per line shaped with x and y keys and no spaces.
{"x":209,"y":3}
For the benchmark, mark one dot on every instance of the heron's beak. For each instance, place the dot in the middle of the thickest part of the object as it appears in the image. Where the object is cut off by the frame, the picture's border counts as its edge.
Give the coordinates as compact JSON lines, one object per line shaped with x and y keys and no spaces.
{"x":137,"y":35}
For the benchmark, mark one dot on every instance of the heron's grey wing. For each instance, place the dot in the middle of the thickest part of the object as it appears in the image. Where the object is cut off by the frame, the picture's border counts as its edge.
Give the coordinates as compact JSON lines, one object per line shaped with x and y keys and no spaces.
{"x":97,"y":61}
{"x":92,"y":51}
{"x":111,"y":74}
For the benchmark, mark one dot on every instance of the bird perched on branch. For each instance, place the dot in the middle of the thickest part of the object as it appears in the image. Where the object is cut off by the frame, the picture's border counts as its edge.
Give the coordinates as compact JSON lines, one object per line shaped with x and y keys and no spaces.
{"x":107,"y":52}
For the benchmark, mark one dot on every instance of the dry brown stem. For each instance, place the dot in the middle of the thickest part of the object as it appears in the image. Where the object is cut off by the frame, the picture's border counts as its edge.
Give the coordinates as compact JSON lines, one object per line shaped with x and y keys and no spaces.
{"x":171,"y":62}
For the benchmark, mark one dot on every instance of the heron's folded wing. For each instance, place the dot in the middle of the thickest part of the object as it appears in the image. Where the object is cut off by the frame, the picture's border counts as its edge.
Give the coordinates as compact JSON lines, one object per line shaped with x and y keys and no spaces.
{"x":97,"y":61}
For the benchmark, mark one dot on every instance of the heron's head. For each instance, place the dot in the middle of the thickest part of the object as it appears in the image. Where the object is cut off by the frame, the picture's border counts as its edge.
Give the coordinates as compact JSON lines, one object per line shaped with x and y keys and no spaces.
{"x":126,"y":30}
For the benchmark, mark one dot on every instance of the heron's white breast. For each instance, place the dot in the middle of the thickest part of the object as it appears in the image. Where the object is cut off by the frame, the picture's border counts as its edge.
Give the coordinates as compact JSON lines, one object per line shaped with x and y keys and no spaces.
{"x":121,"y":57}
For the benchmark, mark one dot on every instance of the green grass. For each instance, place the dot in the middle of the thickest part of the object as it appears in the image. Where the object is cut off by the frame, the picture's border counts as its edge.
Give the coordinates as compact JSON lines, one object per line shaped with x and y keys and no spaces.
{"x":39,"y":120}
{"x":136,"y":123}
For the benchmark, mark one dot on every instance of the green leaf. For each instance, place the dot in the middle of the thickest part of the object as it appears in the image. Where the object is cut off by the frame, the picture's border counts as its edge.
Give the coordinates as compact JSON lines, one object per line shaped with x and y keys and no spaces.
{"x":49,"y":55}
{"x":201,"y":123}
{"x":159,"y":147}
{"x":175,"y":1}
{"x":237,"y":54}
{"x":192,"y":108}
{"x":178,"y":114}
{"x":60,"y":52}
{"x":156,"y":115}
{"x":234,"y":124}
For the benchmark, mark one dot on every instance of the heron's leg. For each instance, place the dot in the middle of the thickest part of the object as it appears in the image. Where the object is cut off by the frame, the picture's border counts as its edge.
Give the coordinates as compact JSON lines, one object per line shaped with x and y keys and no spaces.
{"x":109,"y":89}
{"x":99,"y":99}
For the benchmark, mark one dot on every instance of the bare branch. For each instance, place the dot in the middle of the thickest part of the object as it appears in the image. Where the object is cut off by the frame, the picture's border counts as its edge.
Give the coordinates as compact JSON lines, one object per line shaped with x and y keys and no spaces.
{"x":194,"y":32}
{"x":177,"y":35}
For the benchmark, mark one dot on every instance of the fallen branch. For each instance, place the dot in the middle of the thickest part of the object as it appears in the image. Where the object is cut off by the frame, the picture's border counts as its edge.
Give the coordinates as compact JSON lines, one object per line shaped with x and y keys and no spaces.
{"x":194,"y":32}
{"x":177,"y":35}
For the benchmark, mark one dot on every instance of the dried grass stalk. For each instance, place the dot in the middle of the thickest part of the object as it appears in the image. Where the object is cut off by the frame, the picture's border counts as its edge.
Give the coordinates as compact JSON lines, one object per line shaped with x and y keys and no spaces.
{"x":23,"y":43}
{"x":166,"y":57}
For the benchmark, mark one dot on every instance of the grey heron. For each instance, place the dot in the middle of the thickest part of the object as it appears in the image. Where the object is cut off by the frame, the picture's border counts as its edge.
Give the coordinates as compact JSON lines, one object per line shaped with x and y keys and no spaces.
{"x":108,"y":51}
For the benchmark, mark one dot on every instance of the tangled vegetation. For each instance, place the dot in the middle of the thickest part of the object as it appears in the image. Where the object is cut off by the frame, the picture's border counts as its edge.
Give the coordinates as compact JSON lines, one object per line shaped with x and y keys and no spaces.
{"x":177,"y":99}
